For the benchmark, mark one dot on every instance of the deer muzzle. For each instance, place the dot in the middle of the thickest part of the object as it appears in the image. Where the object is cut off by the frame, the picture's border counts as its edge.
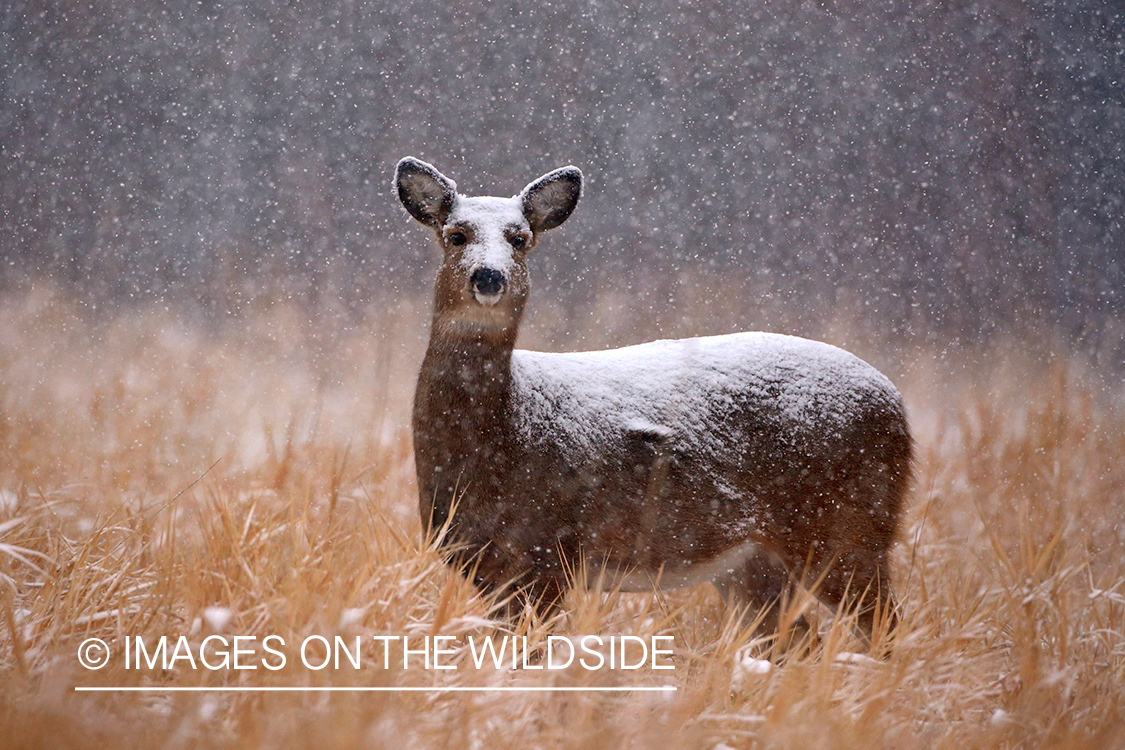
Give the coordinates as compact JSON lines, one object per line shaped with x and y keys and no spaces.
{"x":488,"y":285}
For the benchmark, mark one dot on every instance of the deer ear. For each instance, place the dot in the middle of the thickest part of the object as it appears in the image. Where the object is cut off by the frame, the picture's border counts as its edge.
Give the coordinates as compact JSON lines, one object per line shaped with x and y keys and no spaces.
{"x":425,"y":192}
{"x":549,"y":201}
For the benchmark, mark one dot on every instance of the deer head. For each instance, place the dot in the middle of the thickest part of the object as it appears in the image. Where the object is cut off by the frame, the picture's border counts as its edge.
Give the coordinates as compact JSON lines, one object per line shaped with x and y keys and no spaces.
{"x":483,"y":283}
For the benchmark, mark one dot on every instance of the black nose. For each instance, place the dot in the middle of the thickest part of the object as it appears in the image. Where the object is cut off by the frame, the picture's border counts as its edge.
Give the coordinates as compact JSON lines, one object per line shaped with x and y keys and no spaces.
{"x":488,"y":281}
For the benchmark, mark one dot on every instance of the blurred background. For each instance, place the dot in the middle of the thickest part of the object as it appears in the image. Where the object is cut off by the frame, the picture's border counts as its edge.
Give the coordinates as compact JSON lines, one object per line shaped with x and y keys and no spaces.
{"x":936,"y":170}
{"x":213,"y":308}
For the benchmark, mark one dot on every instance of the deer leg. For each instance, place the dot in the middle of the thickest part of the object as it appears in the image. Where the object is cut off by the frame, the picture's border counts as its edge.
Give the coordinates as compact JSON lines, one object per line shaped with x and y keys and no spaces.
{"x":762,"y":588}
{"x":858,"y":578}
{"x":543,"y":594}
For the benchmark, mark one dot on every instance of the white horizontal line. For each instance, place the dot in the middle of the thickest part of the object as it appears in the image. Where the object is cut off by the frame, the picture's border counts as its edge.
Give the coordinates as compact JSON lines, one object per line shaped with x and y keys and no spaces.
{"x":337,"y":689}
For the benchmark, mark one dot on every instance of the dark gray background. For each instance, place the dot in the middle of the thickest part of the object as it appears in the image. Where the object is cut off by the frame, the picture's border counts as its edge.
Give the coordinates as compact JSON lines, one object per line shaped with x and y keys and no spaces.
{"x":957,"y":167}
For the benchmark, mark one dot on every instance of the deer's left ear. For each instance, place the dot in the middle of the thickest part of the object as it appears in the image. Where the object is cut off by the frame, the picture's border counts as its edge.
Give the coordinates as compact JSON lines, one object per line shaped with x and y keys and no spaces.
{"x":549,"y":201}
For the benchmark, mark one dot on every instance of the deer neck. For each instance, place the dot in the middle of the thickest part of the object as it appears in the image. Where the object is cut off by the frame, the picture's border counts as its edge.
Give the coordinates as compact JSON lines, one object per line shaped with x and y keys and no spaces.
{"x":470,"y":375}
{"x":470,"y":351}
{"x":461,"y":417}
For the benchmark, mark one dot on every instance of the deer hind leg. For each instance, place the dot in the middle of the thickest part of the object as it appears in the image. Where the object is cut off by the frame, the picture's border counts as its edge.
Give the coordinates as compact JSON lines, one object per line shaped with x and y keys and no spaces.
{"x":847,"y":563}
{"x":856,"y":579}
{"x":762,"y":588}
{"x":852,"y":563}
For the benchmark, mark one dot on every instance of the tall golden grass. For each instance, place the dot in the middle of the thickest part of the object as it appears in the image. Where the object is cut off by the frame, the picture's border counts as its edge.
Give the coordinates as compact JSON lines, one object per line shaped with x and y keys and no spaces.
{"x":159,"y":477}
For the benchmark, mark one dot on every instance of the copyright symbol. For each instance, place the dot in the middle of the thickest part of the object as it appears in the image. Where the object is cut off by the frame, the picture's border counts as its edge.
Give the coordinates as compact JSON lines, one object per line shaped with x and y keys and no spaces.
{"x":93,"y":653}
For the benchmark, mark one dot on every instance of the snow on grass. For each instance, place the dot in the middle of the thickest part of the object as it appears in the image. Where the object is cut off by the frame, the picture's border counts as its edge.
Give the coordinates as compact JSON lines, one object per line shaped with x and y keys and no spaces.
{"x":1010,"y":569}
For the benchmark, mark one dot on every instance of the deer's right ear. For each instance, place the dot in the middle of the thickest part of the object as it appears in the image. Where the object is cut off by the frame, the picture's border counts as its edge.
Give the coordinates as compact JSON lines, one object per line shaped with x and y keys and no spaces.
{"x":425,"y":192}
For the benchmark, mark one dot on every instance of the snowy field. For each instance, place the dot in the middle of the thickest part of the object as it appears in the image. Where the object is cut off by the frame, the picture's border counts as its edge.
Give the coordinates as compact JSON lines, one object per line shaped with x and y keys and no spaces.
{"x":213,"y":310}
{"x":160,"y":478}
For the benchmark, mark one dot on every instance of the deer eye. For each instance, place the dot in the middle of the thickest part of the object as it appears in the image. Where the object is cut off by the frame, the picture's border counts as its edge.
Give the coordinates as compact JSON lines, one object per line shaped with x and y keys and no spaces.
{"x":457,"y":239}
{"x":517,"y":241}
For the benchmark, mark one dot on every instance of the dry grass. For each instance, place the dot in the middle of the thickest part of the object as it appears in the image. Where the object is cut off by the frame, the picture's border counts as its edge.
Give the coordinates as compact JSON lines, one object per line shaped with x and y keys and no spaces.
{"x":157,"y":478}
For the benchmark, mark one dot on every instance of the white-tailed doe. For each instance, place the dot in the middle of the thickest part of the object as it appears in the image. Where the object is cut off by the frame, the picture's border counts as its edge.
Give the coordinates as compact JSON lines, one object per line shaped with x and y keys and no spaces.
{"x":750,"y":460}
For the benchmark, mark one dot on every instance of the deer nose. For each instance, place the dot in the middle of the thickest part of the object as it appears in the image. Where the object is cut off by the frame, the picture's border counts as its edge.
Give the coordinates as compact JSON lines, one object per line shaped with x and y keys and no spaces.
{"x":488,"y":284}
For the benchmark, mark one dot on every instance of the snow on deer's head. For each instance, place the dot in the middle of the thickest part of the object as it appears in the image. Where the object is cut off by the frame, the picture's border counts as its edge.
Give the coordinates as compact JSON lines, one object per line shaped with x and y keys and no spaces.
{"x":483,"y":283}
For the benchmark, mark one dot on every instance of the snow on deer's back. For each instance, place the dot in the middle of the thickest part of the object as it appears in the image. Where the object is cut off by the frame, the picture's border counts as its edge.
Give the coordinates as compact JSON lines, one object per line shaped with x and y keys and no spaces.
{"x":685,"y":389}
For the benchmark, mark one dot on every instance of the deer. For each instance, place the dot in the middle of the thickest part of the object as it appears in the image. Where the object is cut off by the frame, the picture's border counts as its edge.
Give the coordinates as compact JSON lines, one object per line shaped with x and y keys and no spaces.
{"x":758,"y":461}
